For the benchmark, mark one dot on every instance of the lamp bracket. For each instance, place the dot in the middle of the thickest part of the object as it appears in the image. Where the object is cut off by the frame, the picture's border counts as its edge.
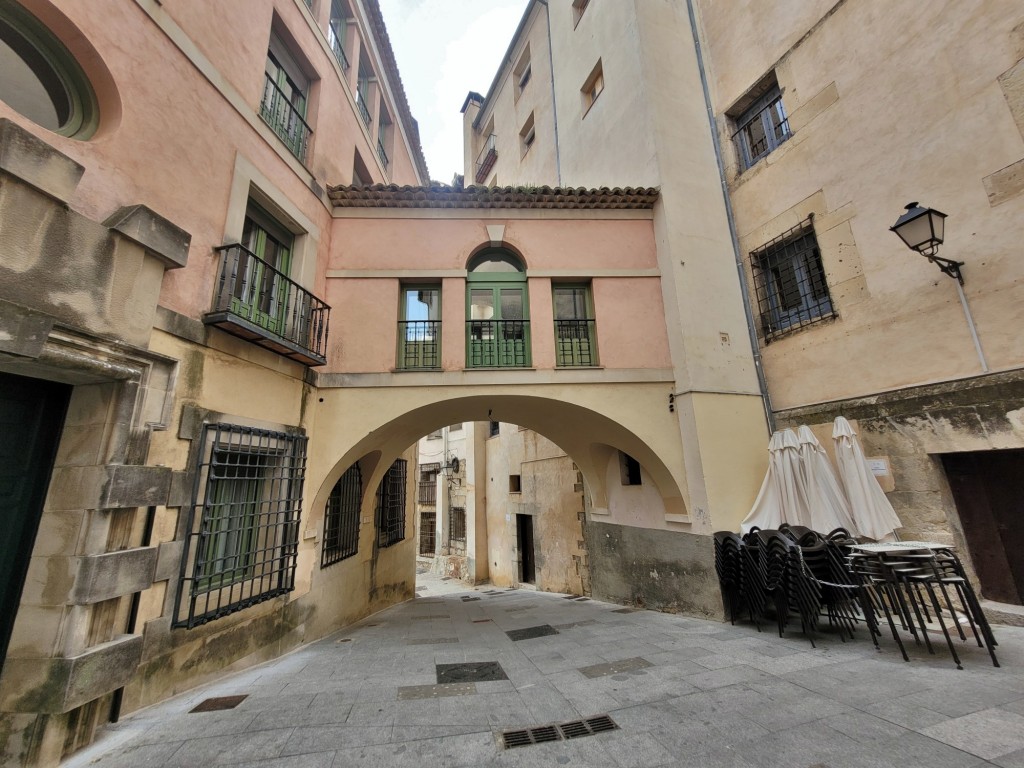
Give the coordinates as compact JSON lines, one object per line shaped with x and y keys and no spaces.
{"x":948,"y":267}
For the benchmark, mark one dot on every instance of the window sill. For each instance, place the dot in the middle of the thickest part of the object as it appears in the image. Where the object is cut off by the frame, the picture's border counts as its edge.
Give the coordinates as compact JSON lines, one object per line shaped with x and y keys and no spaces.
{"x":417,"y":370}
{"x":579,"y":368}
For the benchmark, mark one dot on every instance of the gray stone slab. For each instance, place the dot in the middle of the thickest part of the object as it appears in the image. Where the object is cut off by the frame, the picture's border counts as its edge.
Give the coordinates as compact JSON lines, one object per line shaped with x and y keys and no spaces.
{"x":435,"y":691}
{"x":615,"y":667}
{"x":989,"y":734}
{"x":236,"y":748}
{"x":529,"y":633}
{"x":432,"y":641}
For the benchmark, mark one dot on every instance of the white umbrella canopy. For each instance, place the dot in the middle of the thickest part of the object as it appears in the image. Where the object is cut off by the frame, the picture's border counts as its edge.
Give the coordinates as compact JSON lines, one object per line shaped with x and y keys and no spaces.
{"x":872,"y":513}
{"x":829,"y":507}
{"x":783,"y":497}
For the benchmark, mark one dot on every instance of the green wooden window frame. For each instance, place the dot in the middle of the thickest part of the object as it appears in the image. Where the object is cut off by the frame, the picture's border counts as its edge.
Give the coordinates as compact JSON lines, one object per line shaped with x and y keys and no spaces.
{"x":496,"y":280}
{"x":419,"y":338}
{"x":575,"y":326}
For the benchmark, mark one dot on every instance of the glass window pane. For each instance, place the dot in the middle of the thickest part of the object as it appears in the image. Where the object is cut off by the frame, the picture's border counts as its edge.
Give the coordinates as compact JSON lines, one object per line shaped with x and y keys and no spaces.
{"x":29,"y":83}
{"x":570,"y":303}
{"x":511,"y":304}
{"x":422,"y":304}
{"x":481,"y":302}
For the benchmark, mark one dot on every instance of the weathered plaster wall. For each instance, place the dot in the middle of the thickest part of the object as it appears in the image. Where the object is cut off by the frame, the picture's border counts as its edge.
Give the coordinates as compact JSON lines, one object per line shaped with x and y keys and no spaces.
{"x":660,"y":570}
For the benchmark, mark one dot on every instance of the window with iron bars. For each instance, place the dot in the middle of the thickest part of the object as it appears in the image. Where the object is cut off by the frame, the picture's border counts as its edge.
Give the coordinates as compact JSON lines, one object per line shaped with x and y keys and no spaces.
{"x":761,"y":128}
{"x":428,"y":484}
{"x":457,"y":524}
{"x":341,"y":518}
{"x":243,"y":522}
{"x":391,"y":505}
{"x":789,"y":281}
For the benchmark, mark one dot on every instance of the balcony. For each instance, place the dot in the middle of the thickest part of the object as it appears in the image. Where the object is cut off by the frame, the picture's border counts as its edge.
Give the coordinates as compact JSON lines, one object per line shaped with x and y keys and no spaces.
{"x":364,"y":111}
{"x":285,"y":120}
{"x":334,"y":36}
{"x":382,"y":154}
{"x":497,"y":343}
{"x":486,"y":159}
{"x":256,"y":302}
{"x":419,"y":345}
{"x":574,"y":344}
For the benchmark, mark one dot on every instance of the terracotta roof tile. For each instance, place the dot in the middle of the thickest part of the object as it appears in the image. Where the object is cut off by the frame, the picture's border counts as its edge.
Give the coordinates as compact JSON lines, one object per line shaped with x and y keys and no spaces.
{"x":569,"y":198}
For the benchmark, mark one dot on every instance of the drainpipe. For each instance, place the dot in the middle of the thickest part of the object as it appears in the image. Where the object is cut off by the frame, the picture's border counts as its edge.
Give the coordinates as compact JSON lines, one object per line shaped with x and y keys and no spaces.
{"x":554,"y":104}
{"x":744,"y":292}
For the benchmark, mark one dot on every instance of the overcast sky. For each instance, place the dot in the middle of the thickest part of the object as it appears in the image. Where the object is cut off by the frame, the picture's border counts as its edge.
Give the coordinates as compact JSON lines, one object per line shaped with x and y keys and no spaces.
{"x":445,"y":49}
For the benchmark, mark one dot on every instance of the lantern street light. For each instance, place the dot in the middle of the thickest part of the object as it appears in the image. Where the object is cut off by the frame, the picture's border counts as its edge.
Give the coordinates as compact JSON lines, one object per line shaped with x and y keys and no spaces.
{"x":922,"y":229}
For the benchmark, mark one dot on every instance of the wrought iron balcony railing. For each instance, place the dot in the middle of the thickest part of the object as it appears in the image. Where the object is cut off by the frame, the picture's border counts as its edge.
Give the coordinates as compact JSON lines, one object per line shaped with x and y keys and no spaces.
{"x":498,"y":343}
{"x":259,"y":303}
{"x":364,"y":111}
{"x":382,"y":154}
{"x":575,"y":343}
{"x":486,"y":159}
{"x":334,"y":36}
{"x":286,"y":121}
{"x":419,"y":345}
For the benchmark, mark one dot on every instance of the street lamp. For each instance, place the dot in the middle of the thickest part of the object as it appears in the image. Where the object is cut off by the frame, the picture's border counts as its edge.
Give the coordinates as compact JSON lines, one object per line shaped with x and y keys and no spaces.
{"x":922,"y":229}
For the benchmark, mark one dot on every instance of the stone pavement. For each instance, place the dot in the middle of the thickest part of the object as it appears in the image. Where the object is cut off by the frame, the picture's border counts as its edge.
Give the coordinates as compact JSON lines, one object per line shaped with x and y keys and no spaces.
{"x":683,"y":692}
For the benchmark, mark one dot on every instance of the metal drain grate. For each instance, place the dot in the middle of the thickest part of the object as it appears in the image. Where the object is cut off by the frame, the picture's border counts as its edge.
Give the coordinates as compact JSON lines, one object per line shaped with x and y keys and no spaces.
{"x":559,"y":732}
{"x":219,"y":703}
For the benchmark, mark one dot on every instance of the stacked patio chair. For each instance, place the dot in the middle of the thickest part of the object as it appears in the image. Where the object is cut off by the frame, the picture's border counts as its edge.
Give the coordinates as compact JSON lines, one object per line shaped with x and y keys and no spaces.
{"x":729,"y":565}
{"x":918,"y":587}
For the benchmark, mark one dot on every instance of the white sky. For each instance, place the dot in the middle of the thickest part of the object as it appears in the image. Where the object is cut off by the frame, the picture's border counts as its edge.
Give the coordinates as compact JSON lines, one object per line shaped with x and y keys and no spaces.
{"x":445,"y":49}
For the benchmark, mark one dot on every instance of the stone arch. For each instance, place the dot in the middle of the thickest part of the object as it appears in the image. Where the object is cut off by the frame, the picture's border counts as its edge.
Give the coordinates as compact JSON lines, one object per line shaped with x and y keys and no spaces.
{"x":590,"y":437}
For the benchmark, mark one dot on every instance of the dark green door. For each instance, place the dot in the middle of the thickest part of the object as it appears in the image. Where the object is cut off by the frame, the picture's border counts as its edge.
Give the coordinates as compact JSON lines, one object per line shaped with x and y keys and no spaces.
{"x":31,"y":416}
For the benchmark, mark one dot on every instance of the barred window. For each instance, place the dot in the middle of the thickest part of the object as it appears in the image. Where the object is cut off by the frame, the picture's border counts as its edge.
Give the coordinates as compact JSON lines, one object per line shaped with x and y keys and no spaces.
{"x":789,"y":280}
{"x":428,"y":484}
{"x":391,"y":505}
{"x":341,"y":518}
{"x":457,"y":524}
{"x":243,"y":522}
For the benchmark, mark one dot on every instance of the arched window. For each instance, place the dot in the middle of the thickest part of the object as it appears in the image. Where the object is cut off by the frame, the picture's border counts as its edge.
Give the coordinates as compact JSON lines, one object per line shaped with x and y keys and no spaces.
{"x":498,"y":319}
{"x":40,"y":79}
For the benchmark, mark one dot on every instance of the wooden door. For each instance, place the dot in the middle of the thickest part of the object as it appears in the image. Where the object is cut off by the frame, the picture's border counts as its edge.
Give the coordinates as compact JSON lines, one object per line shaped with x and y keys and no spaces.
{"x":988,"y":488}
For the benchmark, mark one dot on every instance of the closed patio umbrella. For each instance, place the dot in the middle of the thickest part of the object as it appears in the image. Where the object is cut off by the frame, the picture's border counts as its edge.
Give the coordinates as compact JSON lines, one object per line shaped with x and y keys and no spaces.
{"x":829,"y":507}
{"x":872,"y":512}
{"x":783,"y":498}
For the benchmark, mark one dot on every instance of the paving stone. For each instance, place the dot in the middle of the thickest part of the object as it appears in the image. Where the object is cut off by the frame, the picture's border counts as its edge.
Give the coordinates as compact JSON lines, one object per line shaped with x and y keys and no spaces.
{"x":529,"y":633}
{"x":435,"y":691}
{"x":988,"y":734}
{"x":757,"y":700}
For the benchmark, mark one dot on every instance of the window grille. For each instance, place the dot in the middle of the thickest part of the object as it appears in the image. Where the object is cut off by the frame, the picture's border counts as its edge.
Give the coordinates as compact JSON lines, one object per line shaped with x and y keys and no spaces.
{"x":243,"y":522}
{"x":457,"y":524}
{"x":493,"y":428}
{"x":341,"y":518}
{"x":762,"y":128}
{"x":789,"y":281}
{"x":391,"y":505}
{"x":428,"y":533}
{"x":428,"y":484}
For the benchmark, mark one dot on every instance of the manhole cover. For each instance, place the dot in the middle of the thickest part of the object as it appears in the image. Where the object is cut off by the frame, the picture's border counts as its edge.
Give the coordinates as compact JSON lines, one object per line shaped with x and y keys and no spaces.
{"x":471,"y":672}
{"x":531,"y":632}
{"x":219,"y":703}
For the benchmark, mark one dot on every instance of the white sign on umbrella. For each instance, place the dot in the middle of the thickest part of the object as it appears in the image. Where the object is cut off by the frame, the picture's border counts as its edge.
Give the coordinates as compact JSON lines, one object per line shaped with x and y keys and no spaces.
{"x":872,"y":512}
{"x":829,"y":507}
